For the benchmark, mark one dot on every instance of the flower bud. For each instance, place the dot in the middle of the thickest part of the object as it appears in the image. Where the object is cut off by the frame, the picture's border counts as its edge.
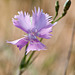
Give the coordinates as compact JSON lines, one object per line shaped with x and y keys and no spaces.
{"x":67,"y":5}
{"x":57,"y":6}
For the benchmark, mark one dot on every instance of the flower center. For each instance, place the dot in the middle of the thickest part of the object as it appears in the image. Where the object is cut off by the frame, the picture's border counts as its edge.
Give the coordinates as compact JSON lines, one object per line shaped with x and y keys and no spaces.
{"x":31,"y":36}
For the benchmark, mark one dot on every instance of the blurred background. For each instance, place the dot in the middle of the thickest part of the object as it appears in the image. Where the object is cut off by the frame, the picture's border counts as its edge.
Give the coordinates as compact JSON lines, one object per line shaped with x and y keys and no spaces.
{"x":49,"y":62}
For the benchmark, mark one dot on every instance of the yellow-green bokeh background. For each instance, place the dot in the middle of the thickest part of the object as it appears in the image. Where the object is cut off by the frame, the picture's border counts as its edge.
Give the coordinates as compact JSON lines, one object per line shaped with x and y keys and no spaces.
{"x":49,"y":62}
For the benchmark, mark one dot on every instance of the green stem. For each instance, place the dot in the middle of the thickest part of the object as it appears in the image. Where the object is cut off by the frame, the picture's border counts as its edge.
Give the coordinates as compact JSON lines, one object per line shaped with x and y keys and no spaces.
{"x":24,"y":59}
{"x":55,"y":16}
{"x":25,"y":52}
{"x":58,"y":18}
{"x":41,"y":39}
{"x":30,"y":57}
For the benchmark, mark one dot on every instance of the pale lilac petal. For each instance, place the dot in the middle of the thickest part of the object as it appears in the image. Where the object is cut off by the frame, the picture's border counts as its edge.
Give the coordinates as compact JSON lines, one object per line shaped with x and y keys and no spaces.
{"x":47,"y":16}
{"x":45,"y":33}
{"x":49,"y":25}
{"x":23,"y":21}
{"x":39,"y":19}
{"x":20,"y":42}
{"x":35,"y":45}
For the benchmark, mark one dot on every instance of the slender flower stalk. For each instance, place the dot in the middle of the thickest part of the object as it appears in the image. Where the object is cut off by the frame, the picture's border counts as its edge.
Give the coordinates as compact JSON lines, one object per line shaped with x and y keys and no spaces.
{"x":23,"y":62}
{"x":30,"y":57}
